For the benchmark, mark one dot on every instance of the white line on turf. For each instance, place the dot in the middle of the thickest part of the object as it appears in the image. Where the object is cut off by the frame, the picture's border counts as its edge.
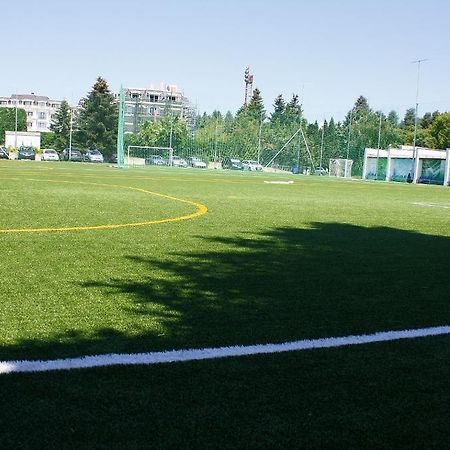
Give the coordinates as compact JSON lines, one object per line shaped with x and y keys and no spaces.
{"x":432,"y":205}
{"x":213,"y":353}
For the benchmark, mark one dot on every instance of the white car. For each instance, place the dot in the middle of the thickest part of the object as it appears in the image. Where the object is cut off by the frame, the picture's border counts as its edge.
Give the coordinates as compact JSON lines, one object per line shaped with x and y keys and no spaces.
{"x":196,"y":162}
{"x":48,"y":154}
{"x":252,"y":165}
{"x":178,"y":162}
{"x":93,"y":155}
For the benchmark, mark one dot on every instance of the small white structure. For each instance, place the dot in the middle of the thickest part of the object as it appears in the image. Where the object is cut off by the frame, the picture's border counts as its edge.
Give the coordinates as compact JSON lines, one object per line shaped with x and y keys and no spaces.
{"x":422,"y":165}
{"x":17,"y":139}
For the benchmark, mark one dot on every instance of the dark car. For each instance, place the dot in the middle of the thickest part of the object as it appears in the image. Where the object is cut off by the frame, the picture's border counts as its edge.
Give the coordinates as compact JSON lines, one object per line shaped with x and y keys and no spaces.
{"x":4,"y":153}
{"x":26,"y":153}
{"x":72,"y":155}
{"x":232,"y":163}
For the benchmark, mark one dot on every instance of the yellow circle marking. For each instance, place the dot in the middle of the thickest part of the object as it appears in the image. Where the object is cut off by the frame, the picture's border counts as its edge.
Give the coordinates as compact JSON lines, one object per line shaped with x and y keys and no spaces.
{"x":200,"y":211}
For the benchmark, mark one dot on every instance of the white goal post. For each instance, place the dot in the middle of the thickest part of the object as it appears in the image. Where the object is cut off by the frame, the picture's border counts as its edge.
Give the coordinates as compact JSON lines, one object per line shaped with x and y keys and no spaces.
{"x":340,"y":168}
{"x":138,"y":155}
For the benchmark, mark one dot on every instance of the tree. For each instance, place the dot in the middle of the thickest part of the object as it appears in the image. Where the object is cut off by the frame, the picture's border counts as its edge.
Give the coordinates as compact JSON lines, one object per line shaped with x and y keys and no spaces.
{"x":8,"y":121}
{"x":255,"y":108}
{"x":61,"y":126}
{"x":279,"y":108}
{"x":393,"y":119}
{"x":293,"y":112}
{"x":409,"y":119}
{"x":97,"y":121}
{"x":440,"y":130}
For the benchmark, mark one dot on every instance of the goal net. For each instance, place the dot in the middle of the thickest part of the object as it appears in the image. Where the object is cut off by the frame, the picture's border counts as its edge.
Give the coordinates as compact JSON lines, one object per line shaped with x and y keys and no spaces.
{"x":143,"y":156}
{"x":341,"y":168}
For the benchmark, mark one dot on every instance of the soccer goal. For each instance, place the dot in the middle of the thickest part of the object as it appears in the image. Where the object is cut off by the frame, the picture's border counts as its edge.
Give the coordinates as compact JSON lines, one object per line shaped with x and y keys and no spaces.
{"x":341,"y":168}
{"x":142,"y":156}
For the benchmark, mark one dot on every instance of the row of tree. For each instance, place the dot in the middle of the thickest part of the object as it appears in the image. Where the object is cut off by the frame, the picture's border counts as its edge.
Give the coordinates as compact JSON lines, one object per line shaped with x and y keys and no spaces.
{"x":251,"y":133}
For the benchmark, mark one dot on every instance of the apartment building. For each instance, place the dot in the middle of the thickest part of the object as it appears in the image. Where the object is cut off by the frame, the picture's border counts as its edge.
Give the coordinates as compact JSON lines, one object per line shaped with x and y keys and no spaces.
{"x":39,"y":109}
{"x":143,"y":104}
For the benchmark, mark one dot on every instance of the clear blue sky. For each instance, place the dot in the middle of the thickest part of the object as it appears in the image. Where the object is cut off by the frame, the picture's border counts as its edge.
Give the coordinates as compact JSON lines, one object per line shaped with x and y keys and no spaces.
{"x":327,"y":51}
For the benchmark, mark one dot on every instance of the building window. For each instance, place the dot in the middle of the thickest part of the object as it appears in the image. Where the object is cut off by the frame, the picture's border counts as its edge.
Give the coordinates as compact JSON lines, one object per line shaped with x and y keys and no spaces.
{"x":42,"y":116}
{"x":30,"y":113}
{"x":30,"y":124}
{"x":42,"y":125}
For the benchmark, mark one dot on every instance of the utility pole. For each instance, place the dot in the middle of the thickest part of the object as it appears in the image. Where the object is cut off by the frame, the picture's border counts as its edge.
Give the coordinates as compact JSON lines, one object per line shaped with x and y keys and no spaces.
{"x":415,"y":118}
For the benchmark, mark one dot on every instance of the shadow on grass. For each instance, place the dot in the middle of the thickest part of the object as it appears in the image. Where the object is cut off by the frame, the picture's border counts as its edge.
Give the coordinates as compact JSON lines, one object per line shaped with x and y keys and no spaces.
{"x":280,"y":285}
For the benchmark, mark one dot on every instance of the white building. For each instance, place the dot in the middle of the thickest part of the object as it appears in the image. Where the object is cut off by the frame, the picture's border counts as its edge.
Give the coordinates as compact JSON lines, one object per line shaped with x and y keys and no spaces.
{"x":22,"y":138}
{"x":144,"y":104}
{"x":422,"y":165}
{"x":39,"y":109}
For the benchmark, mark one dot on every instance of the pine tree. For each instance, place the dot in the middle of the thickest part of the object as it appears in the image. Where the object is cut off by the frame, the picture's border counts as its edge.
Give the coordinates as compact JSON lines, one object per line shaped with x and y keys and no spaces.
{"x":255,"y":108}
{"x":408,"y":120}
{"x":61,"y":126}
{"x":279,"y":109}
{"x":97,"y":121}
{"x":293,"y":112}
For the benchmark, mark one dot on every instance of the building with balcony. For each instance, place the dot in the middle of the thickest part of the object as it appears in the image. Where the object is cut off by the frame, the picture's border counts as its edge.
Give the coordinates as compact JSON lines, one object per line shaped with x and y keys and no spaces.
{"x":144,"y":104}
{"x":39,"y":109}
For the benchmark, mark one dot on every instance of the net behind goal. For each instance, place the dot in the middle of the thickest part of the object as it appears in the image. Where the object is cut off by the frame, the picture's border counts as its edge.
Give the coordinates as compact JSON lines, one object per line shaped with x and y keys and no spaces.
{"x":142,"y":156}
{"x":341,"y":168}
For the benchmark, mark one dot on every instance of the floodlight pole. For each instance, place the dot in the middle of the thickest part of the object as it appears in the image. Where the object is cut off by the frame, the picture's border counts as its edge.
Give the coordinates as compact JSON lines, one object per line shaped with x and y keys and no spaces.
{"x":120,"y":126}
{"x":215,"y":144}
{"x":259,"y":136}
{"x":321,"y":145}
{"x":15,"y":133}
{"x":415,"y":118}
{"x":348,"y":141}
{"x":70,"y":135}
{"x":379,"y":143}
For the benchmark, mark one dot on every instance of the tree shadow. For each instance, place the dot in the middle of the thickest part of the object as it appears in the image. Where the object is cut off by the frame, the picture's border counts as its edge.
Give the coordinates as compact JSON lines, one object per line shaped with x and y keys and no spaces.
{"x":282,"y":284}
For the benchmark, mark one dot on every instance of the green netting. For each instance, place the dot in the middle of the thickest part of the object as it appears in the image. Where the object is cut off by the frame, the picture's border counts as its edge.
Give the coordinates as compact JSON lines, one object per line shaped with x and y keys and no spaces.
{"x":432,"y":171}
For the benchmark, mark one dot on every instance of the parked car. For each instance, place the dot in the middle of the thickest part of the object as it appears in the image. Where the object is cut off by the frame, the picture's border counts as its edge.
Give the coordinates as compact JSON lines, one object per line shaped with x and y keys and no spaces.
{"x":93,"y":155}
{"x":196,"y":162}
{"x":320,"y":171}
{"x":4,"y":153}
{"x":252,"y":165}
{"x":156,"y":160}
{"x":178,"y":161}
{"x":73,"y":154}
{"x":48,"y":154}
{"x":26,"y":153}
{"x":232,"y":163}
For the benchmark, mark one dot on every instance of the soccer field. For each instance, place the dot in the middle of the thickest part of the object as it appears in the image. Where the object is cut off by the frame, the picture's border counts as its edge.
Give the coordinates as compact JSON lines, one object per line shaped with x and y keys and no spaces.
{"x":97,"y":260}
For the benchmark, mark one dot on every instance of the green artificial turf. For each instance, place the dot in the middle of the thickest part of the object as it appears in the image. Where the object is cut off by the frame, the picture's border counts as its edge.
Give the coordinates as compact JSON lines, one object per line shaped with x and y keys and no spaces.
{"x":267,"y":263}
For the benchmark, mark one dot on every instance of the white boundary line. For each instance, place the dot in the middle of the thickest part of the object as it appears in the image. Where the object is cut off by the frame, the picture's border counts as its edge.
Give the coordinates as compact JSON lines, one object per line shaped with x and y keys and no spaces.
{"x":432,"y":205}
{"x":212,"y":353}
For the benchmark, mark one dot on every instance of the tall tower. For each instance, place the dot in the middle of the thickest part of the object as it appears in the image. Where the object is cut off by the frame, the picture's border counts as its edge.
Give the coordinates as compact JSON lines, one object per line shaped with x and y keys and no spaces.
{"x":248,"y":77}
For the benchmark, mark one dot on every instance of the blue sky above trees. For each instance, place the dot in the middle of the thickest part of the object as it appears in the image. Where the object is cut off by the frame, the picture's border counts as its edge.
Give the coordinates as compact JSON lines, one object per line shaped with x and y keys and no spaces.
{"x":326,"y":51}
